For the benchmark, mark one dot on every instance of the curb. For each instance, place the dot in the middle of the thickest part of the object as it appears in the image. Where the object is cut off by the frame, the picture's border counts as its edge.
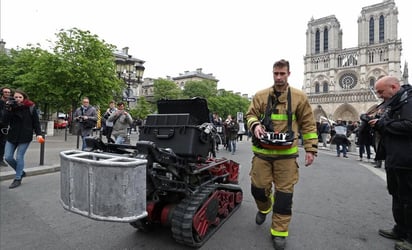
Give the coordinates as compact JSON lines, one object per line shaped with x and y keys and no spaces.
{"x":9,"y":175}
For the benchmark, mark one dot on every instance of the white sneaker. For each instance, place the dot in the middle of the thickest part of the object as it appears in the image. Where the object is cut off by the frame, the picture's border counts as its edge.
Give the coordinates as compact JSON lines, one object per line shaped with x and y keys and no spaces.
{"x":359,"y":159}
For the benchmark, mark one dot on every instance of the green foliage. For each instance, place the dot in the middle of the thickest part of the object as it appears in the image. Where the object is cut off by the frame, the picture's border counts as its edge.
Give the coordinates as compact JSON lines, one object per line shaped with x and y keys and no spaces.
{"x":203,"y":88}
{"x":81,"y":65}
{"x":228,"y":104}
{"x":142,"y":109}
{"x":88,"y":67}
{"x":166,"y":89}
{"x":6,"y":72}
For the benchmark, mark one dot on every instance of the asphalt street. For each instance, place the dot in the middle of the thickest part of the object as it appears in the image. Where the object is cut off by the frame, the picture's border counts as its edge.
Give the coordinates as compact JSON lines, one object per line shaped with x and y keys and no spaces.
{"x":338,"y":204}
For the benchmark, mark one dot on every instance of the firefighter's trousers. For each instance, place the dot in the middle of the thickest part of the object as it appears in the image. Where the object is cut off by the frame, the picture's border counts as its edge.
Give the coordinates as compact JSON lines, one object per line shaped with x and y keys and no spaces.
{"x":283,"y":173}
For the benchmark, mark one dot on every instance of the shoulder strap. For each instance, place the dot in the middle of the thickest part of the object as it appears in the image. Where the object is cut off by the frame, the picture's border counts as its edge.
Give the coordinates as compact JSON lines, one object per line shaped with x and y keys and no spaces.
{"x":289,"y":110}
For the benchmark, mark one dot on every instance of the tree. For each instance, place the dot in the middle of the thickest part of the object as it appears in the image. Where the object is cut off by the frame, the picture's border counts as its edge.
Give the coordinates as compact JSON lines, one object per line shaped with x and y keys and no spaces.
{"x":81,"y":65}
{"x":203,"y":88}
{"x":88,"y":68}
{"x":165,"y":89}
{"x":6,"y":74}
{"x":142,"y":109}
{"x":227,"y":103}
{"x":34,"y":72}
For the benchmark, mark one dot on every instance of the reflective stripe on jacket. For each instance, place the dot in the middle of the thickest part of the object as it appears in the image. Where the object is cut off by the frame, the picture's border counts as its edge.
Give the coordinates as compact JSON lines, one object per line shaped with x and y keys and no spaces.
{"x":303,"y":120}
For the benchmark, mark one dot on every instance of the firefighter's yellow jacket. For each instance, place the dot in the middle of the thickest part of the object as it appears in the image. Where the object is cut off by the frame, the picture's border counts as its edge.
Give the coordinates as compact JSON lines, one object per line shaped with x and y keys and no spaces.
{"x":303,"y":121}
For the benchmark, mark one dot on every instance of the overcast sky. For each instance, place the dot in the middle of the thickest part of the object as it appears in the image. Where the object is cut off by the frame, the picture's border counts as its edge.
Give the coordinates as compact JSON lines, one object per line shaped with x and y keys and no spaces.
{"x":235,"y":40}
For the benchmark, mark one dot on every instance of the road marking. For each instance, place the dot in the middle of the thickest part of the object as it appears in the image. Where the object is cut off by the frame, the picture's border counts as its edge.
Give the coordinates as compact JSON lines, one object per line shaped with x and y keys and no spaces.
{"x":381,"y":174}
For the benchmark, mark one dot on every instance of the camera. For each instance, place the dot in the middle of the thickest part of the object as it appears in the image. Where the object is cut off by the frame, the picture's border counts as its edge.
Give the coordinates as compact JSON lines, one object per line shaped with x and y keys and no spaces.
{"x":11,"y":103}
{"x":79,"y":119}
{"x":366,"y":118}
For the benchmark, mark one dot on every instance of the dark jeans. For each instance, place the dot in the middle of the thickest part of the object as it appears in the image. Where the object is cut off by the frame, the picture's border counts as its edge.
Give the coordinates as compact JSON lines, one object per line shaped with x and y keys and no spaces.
{"x":399,"y":183}
{"x":362,"y":148}
{"x":2,"y":145}
{"x":341,"y":148}
{"x":109,"y":131}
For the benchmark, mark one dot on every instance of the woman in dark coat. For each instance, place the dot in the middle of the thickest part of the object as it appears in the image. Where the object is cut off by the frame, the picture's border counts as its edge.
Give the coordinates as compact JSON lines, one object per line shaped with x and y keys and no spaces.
{"x":23,"y":120}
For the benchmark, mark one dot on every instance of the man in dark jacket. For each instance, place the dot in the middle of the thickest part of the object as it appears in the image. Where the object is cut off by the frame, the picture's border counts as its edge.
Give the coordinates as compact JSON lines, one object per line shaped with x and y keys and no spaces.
{"x":81,"y":116}
{"x":4,"y":97}
{"x":395,"y":147}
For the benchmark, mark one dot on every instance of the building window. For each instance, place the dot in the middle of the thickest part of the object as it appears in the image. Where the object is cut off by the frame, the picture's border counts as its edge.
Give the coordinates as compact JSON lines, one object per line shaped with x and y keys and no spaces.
{"x":339,"y":61}
{"x":325,"y":87}
{"x":381,"y":29}
{"x":348,"y":81}
{"x":371,"y":56}
{"x":371,"y":31}
{"x":372,"y":83}
{"x":317,"y":42}
{"x":317,"y":88}
{"x":325,"y":40}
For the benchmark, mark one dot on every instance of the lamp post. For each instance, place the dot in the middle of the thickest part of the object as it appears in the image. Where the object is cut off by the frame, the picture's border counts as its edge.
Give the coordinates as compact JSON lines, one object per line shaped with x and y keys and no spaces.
{"x":130,"y":71}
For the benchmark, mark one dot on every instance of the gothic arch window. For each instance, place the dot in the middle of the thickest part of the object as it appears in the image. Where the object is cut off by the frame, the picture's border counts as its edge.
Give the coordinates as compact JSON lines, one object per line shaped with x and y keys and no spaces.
{"x":371,"y":56}
{"x":317,"y":90}
{"x":371,"y":31}
{"x":348,"y":81}
{"x":339,"y":61}
{"x":317,"y":42}
{"x":325,"y":40}
{"x":325,"y":87}
{"x":381,"y":29}
{"x":372,"y":82}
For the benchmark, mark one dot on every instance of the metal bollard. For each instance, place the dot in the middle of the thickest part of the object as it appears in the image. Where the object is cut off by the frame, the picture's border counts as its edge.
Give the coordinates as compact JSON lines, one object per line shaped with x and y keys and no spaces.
{"x":42,"y":149}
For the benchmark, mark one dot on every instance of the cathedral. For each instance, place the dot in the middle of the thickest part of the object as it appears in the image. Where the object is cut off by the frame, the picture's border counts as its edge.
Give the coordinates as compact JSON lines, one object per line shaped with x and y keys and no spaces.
{"x":340,"y":81}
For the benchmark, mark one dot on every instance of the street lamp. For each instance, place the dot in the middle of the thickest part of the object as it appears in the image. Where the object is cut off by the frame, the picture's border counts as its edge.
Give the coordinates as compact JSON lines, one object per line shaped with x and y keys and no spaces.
{"x":131,"y":71}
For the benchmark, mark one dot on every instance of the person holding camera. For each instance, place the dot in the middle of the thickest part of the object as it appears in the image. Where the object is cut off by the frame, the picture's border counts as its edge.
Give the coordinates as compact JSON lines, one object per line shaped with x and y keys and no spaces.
{"x":121,"y":122}
{"x":23,"y":119}
{"x":395,"y":129}
{"x":108,"y":124}
{"x":86,"y":119}
{"x":285,"y":110}
{"x":4,"y":97}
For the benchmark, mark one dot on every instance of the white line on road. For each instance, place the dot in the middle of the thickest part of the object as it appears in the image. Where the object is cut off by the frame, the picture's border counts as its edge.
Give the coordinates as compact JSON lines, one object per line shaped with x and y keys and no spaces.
{"x":381,"y":174}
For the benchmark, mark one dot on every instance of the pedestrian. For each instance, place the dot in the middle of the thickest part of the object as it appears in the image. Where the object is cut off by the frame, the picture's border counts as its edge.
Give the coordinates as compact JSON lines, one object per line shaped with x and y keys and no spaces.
{"x":324,"y":131}
{"x":365,"y":138}
{"x":5,"y":94}
{"x":23,"y":119}
{"x":227,"y":132}
{"x":286,"y":111}
{"x":86,"y":119}
{"x":121,"y":122}
{"x":108,"y":125}
{"x":241,"y":131}
{"x":395,"y":129}
{"x":232,"y":128}
{"x":340,"y":138}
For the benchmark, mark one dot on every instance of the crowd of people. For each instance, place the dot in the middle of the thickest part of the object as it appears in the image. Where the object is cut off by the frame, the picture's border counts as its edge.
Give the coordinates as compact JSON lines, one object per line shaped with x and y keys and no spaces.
{"x":349,"y":136}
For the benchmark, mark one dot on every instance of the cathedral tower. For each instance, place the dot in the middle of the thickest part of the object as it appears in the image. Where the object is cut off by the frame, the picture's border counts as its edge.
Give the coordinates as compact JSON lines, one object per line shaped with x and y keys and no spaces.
{"x":340,"y":80}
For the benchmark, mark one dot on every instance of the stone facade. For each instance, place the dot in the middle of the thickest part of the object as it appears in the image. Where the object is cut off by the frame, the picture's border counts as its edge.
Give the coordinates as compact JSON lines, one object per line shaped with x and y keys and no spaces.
{"x":339,"y":81}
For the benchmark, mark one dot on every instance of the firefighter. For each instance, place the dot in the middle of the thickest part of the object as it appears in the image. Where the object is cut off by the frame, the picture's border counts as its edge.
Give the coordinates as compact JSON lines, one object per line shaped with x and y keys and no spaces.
{"x":284,"y":112}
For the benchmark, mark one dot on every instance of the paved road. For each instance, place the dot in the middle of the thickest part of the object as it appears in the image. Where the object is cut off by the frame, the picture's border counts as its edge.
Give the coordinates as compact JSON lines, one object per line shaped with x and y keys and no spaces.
{"x":338,"y":204}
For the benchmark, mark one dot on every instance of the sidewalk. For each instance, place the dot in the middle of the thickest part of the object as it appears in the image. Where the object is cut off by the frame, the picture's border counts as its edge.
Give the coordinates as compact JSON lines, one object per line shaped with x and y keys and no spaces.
{"x":52,"y":148}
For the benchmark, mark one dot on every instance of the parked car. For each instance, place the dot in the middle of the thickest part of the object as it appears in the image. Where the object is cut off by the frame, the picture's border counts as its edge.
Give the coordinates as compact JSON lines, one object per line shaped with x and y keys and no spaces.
{"x":60,"y":123}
